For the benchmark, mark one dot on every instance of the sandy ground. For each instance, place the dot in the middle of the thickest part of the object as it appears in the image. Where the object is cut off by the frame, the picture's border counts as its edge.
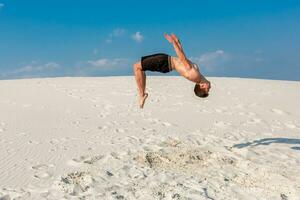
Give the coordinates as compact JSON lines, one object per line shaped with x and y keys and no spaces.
{"x":87,"y":138}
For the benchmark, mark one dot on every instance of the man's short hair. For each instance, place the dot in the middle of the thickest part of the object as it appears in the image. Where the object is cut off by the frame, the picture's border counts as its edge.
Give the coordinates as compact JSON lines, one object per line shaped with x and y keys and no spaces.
{"x":200,"y":92}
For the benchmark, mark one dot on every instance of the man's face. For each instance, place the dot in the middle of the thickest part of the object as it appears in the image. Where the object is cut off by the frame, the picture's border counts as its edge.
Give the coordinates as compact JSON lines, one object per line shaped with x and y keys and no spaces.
{"x":205,"y":86}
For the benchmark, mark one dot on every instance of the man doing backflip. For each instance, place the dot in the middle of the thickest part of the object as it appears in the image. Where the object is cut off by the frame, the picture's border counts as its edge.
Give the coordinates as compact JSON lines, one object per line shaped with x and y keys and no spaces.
{"x":164,"y":63}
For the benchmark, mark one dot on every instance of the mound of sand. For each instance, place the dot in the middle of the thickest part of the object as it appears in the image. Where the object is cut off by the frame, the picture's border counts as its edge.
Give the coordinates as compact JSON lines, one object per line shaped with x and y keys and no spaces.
{"x":87,"y":138}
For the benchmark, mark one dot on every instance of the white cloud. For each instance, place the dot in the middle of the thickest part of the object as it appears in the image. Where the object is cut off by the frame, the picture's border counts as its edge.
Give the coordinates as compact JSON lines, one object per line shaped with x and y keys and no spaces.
{"x":39,"y":68}
{"x":138,"y":37}
{"x":118,"y":32}
{"x":211,"y":60}
{"x":105,"y":63}
{"x":108,"y":40}
{"x":101,"y":66}
{"x":32,"y":70}
{"x":98,"y":63}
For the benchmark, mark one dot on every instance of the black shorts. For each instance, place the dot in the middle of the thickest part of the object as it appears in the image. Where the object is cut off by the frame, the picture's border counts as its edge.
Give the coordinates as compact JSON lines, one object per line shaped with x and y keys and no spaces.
{"x":159,"y":62}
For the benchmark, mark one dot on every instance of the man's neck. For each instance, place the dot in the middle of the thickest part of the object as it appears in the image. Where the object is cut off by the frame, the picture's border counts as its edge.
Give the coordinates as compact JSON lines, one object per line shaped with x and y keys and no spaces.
{"x":203,"y":79}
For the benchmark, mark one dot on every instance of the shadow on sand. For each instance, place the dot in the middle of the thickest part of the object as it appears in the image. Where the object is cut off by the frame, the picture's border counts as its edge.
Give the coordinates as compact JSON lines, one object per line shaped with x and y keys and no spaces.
{"x":267,"y":141}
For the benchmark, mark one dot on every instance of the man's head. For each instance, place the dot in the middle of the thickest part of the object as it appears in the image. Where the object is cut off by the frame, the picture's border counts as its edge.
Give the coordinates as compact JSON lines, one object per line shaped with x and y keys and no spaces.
{"x":202,"y":89}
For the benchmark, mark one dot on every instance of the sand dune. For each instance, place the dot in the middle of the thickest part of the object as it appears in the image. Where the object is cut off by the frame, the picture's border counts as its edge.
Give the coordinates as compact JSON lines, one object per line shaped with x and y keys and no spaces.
{"x":87,"y":138}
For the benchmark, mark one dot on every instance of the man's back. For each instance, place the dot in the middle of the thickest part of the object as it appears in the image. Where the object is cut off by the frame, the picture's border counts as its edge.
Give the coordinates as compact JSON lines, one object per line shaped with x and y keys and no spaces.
{"x":191,"y":74}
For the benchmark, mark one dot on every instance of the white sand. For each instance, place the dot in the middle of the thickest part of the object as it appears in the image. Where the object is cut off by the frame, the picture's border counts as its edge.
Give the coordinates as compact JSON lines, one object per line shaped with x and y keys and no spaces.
{"x":72,"y":138}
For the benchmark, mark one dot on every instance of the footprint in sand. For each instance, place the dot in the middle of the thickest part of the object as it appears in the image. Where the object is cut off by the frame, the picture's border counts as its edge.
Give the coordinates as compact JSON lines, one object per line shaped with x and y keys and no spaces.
{"x":218,"y":110}
{"x":148,"y":130}
{"x":278,"y":111}
{"x":132,"y":140}
{"x":22,"y":134}
{"x":254,"y":121}
{"x":153,"y":120}
{"x":2,"y":127}
{"x":42,"y":171}
{"x":239,"y":106}
{"x":90,"y":160}
{"x":26,"y":105}
{"x":103,"y":114}
{"x":33,"y":142}
{"x":120,"y":130}
{"x":76,"y":122}
{"x":108,"y":107}
{"x":132,"y":122}
{"x":102,"y":127}
{"x":9,"y":193}
{"x":54,"y":141}
{"x":115,"y":155}
{"x":253,"y":104}
{"x":75,"y":183}
{"x":291,"y":125}
{"x":221,"y":124}
{"x":158,"y":121}
{"x":113,"y":123}
{"x":70,"y":94}
{"x":166,"y":124}
{"x":177,"y":104}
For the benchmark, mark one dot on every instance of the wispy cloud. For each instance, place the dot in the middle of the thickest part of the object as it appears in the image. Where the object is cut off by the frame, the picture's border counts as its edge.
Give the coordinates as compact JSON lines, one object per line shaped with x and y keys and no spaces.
{"x":121,"y":32}
{"x":105,"y":63}
{"x":118,"y":32}
{"x":39,"y":68}
{"x":99,"y":63}
{"x":101,"y":66}
{"x":108,"y":40}
{"x":211,"y":60}
{"x":138,"y":37}
{"x":32,"y":70}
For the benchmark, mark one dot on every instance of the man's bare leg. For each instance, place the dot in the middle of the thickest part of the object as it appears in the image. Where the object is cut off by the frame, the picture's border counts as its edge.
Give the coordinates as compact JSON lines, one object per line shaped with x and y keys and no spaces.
{"x":140,"y":78}
{"x":144,"y":81}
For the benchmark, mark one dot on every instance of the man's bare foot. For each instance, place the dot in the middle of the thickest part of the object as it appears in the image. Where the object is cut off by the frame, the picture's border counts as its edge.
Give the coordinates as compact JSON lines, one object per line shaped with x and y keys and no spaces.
{"x":142,"y":100}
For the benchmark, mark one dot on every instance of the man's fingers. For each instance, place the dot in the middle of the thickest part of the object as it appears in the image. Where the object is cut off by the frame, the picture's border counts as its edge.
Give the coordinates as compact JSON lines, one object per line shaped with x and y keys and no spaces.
{"x":175,"y":39}
{"x":169,"y":38}
{"x":174,"y":36}
{"x":167,"y":35}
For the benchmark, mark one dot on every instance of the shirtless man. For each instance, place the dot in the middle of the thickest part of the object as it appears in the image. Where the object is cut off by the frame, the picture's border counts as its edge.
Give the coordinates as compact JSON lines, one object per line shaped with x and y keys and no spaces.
{"x":164,"y":63}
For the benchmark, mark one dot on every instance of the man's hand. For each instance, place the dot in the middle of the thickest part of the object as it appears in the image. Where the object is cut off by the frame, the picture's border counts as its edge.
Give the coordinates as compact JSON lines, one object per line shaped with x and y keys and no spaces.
{"x":178,"y":48}
{"x":175,"y":38}
{"x":169,"y":38}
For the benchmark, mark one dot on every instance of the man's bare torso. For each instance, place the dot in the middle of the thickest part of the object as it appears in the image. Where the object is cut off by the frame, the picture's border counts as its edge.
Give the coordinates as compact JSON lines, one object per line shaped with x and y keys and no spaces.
{"x":192,"y":74}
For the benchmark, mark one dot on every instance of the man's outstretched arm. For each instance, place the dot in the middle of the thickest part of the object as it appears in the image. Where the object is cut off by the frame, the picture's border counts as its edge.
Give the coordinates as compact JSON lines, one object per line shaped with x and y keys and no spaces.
{"x":179,"y":50}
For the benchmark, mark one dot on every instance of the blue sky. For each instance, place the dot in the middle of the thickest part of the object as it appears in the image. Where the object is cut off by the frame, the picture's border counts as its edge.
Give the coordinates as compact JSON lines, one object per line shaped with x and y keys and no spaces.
{"x":257,"y":39}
